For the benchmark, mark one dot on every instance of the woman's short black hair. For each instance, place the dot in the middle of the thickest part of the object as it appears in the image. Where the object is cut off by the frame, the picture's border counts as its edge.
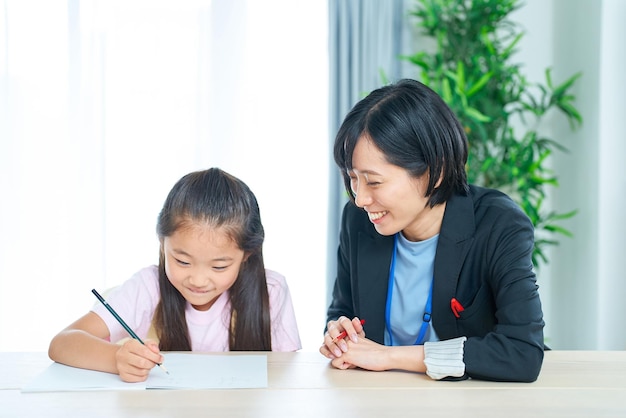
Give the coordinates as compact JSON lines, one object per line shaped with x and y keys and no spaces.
{"x":415,"y":130}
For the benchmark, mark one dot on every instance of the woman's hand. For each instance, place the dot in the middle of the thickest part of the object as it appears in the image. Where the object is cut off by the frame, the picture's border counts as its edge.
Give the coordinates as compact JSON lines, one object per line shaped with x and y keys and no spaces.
{"x":135,"y":360}
{"x":361,"y":352}
{"x":365,"y":354}
{"x":333,"y":346}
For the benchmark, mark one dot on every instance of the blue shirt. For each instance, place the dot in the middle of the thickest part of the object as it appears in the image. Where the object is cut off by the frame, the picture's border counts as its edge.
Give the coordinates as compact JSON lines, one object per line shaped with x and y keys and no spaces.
{"x":413,"y":277}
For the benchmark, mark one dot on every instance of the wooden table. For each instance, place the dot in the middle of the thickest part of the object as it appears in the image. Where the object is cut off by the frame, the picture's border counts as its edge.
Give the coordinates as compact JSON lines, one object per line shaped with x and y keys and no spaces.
{"x":586,"y":384}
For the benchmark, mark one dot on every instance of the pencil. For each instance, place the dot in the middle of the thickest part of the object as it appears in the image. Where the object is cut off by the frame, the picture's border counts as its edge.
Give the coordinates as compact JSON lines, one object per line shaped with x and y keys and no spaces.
{"x":122,"y":323}
{"x":343,"y":334}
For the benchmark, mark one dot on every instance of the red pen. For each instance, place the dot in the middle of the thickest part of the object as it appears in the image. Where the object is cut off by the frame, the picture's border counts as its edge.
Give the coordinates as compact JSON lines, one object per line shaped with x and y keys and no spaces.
{"x":343,"y":334}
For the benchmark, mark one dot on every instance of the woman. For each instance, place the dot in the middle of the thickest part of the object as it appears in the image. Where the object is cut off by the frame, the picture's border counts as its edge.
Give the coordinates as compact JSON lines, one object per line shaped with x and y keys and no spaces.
{"x":440,"y":270}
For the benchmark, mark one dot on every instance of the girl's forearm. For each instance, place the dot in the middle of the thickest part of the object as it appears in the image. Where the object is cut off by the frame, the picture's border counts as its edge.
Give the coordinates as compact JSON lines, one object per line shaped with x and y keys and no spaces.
{"x":80,"y":349}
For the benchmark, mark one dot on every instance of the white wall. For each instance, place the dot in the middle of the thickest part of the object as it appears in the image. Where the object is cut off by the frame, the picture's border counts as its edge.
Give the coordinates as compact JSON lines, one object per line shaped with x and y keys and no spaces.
{"x":584,"y":284}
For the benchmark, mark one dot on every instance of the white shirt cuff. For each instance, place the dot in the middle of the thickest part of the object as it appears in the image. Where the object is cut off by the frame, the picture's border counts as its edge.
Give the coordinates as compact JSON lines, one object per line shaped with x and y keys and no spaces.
{"x":444,"y":358}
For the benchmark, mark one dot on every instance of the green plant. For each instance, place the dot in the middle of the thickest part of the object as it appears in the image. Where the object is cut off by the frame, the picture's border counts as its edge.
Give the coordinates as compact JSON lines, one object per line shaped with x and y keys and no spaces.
{"x":471,"y":68}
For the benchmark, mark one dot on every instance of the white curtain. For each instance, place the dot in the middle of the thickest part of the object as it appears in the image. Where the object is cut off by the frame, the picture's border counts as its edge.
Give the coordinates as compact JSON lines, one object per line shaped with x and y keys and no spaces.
{"x":367,"y":38}
{"x":105,"y":104}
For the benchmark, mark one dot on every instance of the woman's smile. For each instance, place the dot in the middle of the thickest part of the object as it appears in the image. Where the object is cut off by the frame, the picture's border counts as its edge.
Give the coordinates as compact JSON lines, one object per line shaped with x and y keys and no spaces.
{"x":376,"y":217}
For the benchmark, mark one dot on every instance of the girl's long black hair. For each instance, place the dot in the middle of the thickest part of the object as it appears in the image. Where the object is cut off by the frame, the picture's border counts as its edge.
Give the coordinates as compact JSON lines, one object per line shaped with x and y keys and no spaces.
{"x":219,"y":200}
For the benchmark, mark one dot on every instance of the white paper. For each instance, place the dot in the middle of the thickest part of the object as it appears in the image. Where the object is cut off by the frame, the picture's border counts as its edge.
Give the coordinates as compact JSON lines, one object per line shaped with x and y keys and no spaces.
{"x":186,"y":371}
{"x":60,"y":378}
{"x":197,"y":371}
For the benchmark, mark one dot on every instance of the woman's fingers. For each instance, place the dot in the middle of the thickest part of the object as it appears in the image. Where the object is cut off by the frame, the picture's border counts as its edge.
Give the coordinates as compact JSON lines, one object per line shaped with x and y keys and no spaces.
{"x":337,"y":332}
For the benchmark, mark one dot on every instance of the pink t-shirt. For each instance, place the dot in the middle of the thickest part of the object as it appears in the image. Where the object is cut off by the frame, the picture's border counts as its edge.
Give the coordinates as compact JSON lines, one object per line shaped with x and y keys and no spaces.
{"x":136,"y":299}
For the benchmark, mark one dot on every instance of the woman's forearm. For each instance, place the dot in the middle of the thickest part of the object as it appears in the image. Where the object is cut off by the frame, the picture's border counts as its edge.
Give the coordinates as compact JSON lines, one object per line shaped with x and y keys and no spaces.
{"x":409,"y":358}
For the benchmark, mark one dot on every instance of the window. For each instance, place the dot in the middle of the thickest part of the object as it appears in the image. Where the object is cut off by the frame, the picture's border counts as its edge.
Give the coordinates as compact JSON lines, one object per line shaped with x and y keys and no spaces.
{"x":104,"y":105}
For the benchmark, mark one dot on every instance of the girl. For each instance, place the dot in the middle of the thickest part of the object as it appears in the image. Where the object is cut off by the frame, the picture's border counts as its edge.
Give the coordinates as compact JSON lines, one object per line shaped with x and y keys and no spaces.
{"x":210,"y":291}
{"x":441,"y":270}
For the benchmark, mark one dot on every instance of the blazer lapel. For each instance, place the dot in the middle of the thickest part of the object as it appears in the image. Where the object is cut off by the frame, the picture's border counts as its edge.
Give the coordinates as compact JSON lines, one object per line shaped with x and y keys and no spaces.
{"x":374,"y":259}
{"x":455,"y":239}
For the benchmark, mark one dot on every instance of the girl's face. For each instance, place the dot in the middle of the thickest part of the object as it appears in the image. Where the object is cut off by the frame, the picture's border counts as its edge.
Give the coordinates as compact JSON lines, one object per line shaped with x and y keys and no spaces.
{"x":201,"y":262}
{"x":393,"y":199}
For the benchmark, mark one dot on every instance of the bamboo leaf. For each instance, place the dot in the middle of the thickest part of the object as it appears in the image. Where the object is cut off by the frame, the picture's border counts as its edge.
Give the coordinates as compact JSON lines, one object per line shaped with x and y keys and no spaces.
{"x":460,"y":76}
{"x":479,"y":84}
{"x":476,"y":115}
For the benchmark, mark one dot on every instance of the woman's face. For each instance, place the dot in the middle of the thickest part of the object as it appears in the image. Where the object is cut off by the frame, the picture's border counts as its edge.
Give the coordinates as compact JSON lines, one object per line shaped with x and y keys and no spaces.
{"x":201,"y":262}
{"x":392,"y":198}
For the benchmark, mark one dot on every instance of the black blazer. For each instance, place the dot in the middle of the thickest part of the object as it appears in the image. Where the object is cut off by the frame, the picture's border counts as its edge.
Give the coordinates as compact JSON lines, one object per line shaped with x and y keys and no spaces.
{"x":483,"y":260}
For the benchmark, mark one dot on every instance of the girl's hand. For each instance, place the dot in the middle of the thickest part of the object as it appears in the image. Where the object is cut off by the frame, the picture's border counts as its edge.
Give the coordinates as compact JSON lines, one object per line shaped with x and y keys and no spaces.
{"x":334,"y":347}
{"x":135,"y":360}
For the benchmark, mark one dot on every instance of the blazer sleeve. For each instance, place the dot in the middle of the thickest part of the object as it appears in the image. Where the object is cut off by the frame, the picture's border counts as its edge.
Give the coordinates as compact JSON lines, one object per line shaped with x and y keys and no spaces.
{"x":342,"y":298}
{"x":363,"y":260}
